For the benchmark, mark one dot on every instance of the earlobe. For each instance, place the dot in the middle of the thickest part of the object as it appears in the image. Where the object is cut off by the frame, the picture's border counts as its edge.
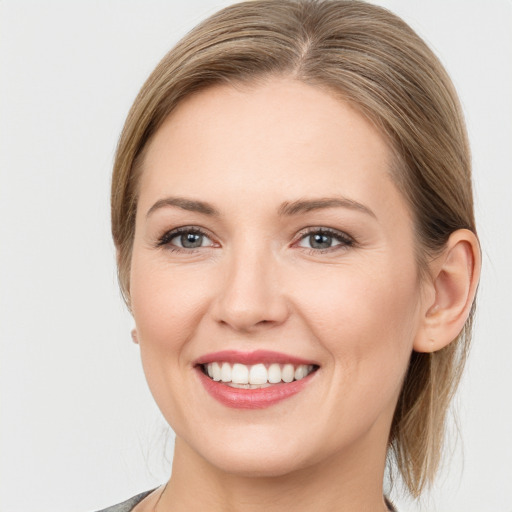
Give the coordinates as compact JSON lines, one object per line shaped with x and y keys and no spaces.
{"x":455,"y":275}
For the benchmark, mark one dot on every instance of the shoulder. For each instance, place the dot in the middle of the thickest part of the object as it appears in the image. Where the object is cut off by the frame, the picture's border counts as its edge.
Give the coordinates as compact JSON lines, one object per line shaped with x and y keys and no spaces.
{"x":128,"y":505}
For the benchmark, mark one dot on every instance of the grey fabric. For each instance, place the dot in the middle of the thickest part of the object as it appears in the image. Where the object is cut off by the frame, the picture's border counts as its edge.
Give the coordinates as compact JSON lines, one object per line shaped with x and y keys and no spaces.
{"x":127,"y":505}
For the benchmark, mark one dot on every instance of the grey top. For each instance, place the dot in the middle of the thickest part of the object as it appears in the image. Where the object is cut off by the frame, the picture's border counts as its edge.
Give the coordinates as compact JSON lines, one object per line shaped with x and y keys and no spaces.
{"x":129,"y":505}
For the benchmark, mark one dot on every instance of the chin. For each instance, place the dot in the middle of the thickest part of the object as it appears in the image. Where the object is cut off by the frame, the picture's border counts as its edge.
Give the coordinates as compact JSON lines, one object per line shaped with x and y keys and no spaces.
{"x":257,"y":456}
{"x":259,"y":465}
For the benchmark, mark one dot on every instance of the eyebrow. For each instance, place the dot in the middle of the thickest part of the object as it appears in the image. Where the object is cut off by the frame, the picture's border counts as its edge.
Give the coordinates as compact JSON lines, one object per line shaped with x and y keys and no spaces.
{"x":190,"y":205}
{"x":307,"y":205}
{"x":286,"y":208}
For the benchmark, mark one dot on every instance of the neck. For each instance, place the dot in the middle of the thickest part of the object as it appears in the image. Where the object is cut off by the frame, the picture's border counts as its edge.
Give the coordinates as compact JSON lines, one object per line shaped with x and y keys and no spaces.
{"x":343,"y":482}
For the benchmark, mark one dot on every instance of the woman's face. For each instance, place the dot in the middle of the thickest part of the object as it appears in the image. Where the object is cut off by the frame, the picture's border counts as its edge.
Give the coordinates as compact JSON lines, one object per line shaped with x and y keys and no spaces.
{"x":272,"y":244}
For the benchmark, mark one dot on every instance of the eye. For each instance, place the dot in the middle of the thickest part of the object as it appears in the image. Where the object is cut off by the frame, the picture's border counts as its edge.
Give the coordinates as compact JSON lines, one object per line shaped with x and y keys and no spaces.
{"x":324,"y":239}
{"x":185,"y":238}
{"x":190,"y":240}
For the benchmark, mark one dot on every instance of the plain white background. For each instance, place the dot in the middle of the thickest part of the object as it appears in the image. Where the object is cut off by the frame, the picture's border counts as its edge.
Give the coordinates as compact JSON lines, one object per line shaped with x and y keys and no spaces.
{"x":79,"y":429}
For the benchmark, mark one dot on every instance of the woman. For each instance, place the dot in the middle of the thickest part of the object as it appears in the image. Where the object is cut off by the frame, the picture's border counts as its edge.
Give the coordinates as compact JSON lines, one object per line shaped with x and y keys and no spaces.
{"x":293,"y":217}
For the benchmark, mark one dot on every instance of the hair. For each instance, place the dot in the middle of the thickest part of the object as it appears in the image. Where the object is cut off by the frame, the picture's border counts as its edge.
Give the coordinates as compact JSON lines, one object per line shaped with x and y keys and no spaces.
{"x":372,"y":59}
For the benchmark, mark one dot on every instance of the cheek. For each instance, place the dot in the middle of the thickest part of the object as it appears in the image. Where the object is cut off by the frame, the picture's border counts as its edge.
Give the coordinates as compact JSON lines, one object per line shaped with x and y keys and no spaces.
{"x":366,"y":320}
{"x":364,"y":296}
{"x":167,"y":306}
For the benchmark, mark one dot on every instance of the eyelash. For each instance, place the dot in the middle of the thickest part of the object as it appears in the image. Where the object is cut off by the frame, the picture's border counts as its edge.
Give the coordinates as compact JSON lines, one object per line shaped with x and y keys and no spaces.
{"x":344,"y":240}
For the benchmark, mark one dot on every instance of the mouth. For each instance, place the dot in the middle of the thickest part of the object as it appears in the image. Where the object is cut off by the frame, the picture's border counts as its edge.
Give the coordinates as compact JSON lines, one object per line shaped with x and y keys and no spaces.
{"x":253,"y":380}
{"x":257,"y":376}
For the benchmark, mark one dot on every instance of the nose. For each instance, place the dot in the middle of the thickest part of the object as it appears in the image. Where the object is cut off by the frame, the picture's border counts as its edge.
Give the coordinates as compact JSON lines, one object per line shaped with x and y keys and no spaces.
{"x":251,"y":297}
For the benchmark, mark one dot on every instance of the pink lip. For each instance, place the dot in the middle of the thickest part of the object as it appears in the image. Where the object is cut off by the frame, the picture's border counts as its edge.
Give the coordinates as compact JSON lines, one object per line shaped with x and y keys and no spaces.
{"x":255,"y":357}
{"x":251,"y":398}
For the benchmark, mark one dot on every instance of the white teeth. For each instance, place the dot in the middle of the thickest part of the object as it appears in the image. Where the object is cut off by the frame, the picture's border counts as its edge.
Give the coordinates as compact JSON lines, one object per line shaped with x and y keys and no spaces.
{"x":258,"y":375}
{"x":215,"y":371}
{"x":225,"y":372}
{"x":248,"y":386}
{"x":274,"y":373}
{"x":240,"y":374}
{"x":300,"y":372}
{"x":288,"y":373}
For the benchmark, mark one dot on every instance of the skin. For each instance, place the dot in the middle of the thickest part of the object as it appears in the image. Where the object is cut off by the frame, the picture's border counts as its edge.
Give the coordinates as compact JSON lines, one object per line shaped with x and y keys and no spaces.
{"x":356,"y":309}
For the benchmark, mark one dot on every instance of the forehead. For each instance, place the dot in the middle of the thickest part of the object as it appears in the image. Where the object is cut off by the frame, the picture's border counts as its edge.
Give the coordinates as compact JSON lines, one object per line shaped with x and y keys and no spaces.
{"x":276,"y":139}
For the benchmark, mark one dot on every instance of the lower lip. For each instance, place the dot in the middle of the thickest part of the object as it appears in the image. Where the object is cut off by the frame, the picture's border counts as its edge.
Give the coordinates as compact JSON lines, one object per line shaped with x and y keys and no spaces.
{"x":260,"y":398}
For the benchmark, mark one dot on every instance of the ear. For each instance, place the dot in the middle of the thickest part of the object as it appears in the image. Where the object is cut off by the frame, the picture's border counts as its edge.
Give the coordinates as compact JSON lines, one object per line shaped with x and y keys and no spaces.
{"x":135,"y":337}
{"x":455,"y":275}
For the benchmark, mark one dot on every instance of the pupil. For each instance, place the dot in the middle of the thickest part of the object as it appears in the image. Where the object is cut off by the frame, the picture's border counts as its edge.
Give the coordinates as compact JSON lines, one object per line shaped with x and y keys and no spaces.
{"x":191,"y":240}
{"x":319,"y":241}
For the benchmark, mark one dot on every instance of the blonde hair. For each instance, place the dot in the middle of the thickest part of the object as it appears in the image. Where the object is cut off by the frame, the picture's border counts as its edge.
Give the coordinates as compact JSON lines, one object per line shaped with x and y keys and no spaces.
{"x":375,"y":61}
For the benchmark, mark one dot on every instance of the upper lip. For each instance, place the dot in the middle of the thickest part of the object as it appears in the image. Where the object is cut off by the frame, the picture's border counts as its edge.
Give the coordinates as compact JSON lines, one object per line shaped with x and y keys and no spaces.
{"x":253,"y":357}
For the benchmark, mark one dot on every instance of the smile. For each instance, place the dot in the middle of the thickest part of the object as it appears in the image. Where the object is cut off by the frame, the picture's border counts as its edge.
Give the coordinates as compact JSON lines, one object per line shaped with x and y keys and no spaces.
{"x":256,"y":376}
{"x":253,"y":380}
